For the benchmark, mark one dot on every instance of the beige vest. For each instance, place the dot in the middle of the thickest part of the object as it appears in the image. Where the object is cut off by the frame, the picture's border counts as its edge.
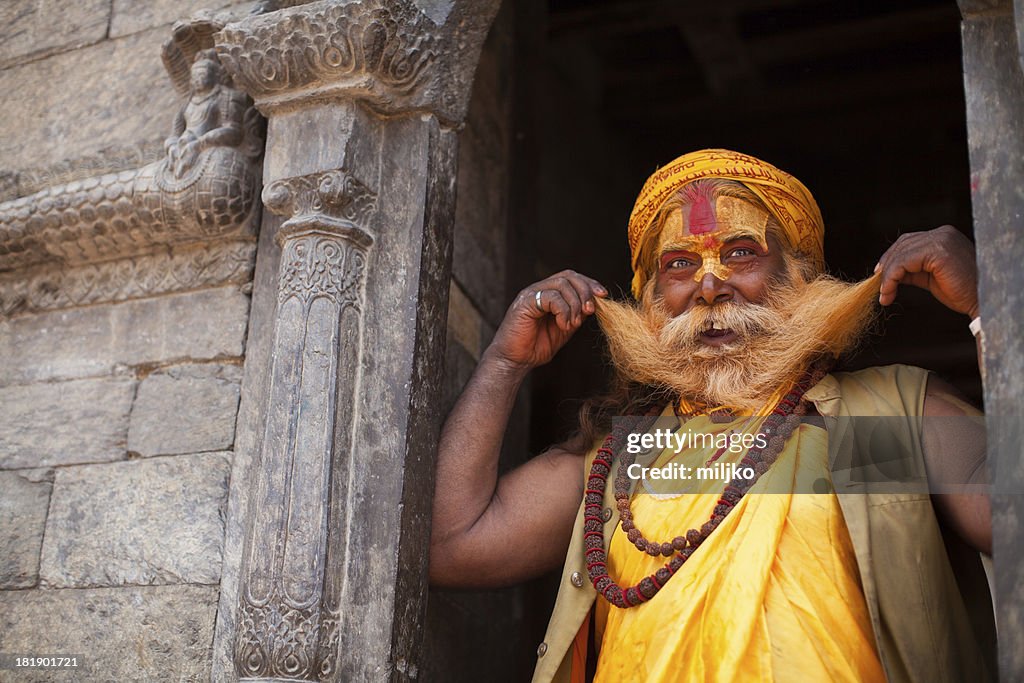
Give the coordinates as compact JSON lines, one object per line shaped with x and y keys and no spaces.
{"x":931,"y":611}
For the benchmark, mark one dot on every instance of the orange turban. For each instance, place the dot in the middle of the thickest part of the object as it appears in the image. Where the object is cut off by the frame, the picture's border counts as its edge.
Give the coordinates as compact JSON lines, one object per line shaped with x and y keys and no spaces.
{"x":785,"y":197}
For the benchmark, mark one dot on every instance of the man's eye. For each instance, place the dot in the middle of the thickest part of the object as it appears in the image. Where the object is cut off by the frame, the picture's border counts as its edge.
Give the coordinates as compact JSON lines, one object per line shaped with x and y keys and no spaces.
{"x":742,"y":251}
{"x":679,"y":263}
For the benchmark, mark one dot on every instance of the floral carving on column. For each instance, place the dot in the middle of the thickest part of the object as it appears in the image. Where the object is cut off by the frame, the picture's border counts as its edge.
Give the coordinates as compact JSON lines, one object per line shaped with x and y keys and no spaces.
{"x":331,"y":198}
{"x":289,"y":599}
{"x":386,"y":53}
{"x":388,"y":42}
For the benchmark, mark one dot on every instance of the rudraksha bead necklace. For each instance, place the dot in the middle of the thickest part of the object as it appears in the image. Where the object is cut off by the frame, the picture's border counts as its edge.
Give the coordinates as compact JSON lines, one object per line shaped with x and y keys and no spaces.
{"x":778,"y":426}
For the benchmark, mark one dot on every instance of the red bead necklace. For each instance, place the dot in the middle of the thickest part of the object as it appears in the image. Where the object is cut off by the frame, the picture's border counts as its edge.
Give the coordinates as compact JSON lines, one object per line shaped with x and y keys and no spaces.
{"x":778,"y":426}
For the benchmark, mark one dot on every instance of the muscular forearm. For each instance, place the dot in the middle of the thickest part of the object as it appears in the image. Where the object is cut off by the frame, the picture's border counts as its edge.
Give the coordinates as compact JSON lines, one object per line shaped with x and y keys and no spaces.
{"x":467,"y":465}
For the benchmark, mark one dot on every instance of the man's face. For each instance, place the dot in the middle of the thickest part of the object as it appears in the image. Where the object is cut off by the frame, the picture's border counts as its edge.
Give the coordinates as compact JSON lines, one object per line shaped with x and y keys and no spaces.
{"x":716,"y":251}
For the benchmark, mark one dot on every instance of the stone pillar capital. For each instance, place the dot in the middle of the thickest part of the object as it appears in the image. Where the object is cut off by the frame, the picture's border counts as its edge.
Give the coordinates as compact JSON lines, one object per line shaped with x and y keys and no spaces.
{"x":329,"y":202}
{"x":393,"y":55}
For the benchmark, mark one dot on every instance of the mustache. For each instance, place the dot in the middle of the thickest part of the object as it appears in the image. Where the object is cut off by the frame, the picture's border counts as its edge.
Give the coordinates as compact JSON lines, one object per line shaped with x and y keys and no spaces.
{"x":777,"y":338}
{"x":746,"y":320}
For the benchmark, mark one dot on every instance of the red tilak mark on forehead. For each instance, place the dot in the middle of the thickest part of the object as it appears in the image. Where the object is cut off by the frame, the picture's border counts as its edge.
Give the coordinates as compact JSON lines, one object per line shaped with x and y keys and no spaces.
{"x":711,"y":243}
{"x":702,"y":217}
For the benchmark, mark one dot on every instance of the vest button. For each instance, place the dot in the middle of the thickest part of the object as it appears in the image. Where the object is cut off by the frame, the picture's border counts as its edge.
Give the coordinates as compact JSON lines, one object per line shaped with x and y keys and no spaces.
{"x":542,"y":649}
{"x":576,"y":579}
{"x":607,"y":514}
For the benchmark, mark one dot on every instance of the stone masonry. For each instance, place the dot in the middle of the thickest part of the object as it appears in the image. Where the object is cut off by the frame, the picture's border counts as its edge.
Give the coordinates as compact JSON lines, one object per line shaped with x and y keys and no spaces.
{"x":129,"y":228}
{"x":123,"y":317}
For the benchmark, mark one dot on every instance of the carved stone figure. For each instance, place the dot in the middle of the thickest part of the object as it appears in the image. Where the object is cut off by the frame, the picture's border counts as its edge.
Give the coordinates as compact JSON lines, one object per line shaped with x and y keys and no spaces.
{"x":205,"y":188}
{"x":212,"y":116}
{"x":208,"y":182}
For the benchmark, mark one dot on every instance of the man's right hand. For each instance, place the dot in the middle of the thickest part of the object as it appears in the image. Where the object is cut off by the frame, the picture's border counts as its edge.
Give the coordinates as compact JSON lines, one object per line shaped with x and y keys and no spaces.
{"x":531,"y":334}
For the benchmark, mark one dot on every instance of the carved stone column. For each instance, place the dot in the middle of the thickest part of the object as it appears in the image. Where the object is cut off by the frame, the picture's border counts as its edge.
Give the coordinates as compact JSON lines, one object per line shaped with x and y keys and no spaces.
{"x":324,"y":574}
{"x":994,"y":87}
{"x":290,"y":601}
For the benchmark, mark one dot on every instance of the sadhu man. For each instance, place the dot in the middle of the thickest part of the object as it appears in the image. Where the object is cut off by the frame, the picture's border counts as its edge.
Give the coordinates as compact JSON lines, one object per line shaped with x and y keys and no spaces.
{"x":741,"y":579}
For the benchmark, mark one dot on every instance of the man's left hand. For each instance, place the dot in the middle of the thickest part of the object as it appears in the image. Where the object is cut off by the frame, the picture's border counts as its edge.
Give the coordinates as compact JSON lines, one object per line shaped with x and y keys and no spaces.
{"x":939,"y":260}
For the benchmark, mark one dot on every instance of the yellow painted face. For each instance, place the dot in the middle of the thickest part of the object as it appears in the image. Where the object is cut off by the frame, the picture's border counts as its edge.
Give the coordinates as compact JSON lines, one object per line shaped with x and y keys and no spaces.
{"x":703,"y":229}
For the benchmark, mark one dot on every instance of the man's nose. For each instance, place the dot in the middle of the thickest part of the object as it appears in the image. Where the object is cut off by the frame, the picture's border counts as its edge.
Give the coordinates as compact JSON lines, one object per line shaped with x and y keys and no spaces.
{"x":711,"y":290}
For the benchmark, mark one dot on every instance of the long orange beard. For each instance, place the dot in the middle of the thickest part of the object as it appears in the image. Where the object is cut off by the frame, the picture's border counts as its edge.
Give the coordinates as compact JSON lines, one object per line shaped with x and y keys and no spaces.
{"x":777,"y":340}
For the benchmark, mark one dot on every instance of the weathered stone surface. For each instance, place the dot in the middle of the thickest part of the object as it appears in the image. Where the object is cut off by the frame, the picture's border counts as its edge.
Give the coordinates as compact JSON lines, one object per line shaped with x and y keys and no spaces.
{"x":395,"y":413}
{"x":78,"y":103}
{"x":1018,"y":20}
{"x":994,"y":90}
{"x":143,"y":522}
{"x":297,"y":530}
{"x":194,"y":194}
{"x":185,"y":409}
{"x":397,"y":55}
{"x":131,"y":16}
{"x":970,"y":8}
{"x":481,"y":209}
{"x":367,"y":621}
{"x":24,"y":498}
{"x":109,"y":160}
{"x":32,"y":27}
{"x":80,"y":342}
{"x":124,"y":634}
{"x":250,"y":417}
{"x":63,"y":423}
{"x":176,"y":269}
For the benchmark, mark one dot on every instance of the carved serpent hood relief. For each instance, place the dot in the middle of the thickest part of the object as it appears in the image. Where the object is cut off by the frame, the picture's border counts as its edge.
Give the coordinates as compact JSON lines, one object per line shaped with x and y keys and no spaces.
{"x":205,"y":188}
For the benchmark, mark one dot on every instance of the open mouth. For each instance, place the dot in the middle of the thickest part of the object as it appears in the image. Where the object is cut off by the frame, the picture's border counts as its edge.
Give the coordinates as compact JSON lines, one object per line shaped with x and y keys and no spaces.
{"x":716,"y":336}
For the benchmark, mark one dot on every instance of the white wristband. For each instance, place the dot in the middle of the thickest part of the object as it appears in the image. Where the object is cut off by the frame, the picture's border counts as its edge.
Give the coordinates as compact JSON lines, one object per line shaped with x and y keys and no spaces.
{"x":975,"y":326}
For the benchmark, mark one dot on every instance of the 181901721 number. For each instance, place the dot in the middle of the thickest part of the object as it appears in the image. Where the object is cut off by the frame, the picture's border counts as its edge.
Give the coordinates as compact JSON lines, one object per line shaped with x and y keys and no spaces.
{"x":46,"y":662}
{"x":40,"y":661}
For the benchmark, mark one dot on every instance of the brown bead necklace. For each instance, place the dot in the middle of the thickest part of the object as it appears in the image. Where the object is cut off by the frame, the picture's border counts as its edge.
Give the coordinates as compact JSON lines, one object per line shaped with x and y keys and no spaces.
{"x":778,"y":426}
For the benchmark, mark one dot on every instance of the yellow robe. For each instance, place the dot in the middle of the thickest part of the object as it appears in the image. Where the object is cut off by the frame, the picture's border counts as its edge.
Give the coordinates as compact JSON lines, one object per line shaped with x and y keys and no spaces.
{"x":931,"y":613}
{"x":772,"y":594}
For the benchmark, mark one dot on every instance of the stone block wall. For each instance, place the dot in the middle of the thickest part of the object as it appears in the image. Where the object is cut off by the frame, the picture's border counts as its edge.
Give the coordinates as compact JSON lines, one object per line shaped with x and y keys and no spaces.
{"x":117,"y":418}
{"x":115,"y":456}
{"x":118,"y":412}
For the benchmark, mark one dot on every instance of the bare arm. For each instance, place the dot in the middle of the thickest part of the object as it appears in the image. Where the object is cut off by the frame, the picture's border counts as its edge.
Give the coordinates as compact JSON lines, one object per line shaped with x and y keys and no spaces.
{"x":942,"y":261}
{"x":954,"y":451}
{"x":489,"y":531}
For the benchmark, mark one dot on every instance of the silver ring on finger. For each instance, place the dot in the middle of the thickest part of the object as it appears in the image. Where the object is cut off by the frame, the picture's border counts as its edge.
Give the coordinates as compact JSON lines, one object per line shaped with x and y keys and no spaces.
{"x":536,"y":300}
